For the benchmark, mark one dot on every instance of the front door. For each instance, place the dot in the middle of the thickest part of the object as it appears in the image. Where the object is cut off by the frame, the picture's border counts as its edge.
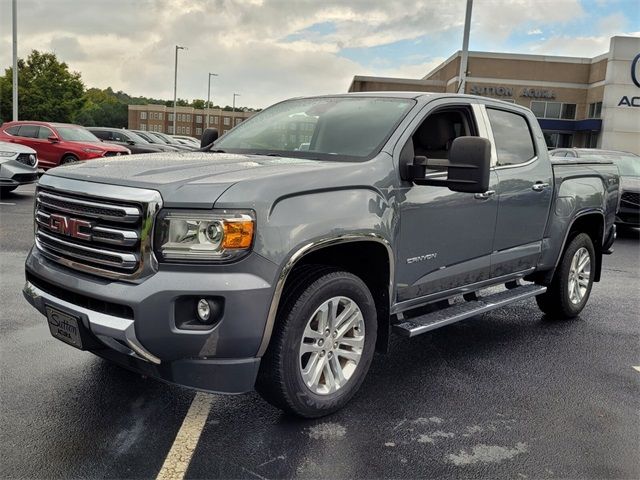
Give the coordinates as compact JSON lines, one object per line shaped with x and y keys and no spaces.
{"x":445,"y":237}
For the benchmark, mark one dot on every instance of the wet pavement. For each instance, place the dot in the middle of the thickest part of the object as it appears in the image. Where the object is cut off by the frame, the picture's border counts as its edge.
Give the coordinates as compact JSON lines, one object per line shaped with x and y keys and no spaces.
{"x":511,"y":394}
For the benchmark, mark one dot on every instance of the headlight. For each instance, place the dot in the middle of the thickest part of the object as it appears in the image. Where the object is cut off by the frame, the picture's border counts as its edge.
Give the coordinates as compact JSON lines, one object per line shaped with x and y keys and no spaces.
{"x":7,"y":154}
{"x":203,"y":236}
{"x":92,"y":150}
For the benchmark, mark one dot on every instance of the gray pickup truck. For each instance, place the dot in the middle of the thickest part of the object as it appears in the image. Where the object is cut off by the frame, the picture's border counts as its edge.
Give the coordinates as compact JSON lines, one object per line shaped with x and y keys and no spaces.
{"x":285,"y":253}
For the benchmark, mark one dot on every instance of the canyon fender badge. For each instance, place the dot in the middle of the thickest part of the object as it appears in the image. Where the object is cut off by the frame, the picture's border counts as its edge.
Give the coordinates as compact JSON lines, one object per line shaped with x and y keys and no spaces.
{"x":422,"y":258}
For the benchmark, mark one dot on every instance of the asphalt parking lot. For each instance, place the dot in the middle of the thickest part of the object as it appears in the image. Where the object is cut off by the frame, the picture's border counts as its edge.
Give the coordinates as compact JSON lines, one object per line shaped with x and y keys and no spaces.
{"x":511,"y":394}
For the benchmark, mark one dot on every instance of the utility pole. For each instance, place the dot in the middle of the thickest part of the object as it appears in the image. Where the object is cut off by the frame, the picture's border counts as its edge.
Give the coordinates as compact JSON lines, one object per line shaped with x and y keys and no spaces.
{"x":175,"y":89}
{"x":14,"y":13}
{"x":233,"y":117}
{"x":465,"y":48}
{"x":209,"y":98}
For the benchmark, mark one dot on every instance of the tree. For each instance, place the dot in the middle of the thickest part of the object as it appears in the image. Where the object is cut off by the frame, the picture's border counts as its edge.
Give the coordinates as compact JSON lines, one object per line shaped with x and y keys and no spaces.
{"x":198,"y":104}
{"x":102,"y":108}
{"x":47,"y":90}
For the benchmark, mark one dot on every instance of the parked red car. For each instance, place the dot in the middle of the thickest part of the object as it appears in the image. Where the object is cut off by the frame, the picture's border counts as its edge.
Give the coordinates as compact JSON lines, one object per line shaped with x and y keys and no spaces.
{"x":58,"y":143}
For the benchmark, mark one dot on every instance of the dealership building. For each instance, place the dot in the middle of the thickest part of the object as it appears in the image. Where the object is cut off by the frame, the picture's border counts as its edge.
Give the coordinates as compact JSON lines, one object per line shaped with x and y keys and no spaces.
{"x":579,"y":102}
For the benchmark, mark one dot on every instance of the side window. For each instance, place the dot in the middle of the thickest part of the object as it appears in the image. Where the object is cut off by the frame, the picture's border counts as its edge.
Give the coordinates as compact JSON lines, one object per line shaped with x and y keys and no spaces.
{"x":514,"y":143}
{"x":13,"y":130}
{"x":29,"y":131}
{"x":434,"y":136}
{"x":44,"y":133}
{"x":119,"y":137}
{"x":102,"y":134}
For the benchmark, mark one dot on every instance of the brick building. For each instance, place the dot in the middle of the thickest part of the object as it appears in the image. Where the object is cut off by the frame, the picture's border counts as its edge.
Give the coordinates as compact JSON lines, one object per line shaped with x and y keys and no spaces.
{"x":190,"y":121}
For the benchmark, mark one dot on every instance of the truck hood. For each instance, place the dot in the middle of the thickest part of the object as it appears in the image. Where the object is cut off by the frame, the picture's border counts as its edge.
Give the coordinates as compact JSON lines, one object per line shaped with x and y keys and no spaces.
{"x":190,"y":179}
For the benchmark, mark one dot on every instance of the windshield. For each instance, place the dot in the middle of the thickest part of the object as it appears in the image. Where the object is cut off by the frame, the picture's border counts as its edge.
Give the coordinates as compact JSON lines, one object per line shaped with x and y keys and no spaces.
{"x":75,"y":134}
{"x":321,"y":128}
{"x":628,"y":166}
{"x":136,"y":138}
{"x":160,"y":137}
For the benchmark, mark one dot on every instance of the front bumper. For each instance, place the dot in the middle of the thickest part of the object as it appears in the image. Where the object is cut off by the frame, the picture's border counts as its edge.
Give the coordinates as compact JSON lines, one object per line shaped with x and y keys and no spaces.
{"x":147,"y":339}
{"x":14,"y":173}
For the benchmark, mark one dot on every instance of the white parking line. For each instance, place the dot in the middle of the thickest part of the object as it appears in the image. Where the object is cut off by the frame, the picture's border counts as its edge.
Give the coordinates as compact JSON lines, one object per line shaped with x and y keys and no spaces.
{"x":637,"y":368}
{"x":5,"y":203}
{"x":178,"y":458}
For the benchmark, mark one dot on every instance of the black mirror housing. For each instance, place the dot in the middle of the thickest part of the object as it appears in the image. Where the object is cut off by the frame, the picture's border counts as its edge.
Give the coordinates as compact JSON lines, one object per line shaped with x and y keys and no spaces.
{"x":209,"y":136}
{"x":468,"y":167}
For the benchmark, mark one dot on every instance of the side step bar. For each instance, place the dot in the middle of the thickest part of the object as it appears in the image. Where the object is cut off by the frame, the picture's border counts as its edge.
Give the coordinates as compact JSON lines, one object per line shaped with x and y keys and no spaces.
{"x":461,"y":311}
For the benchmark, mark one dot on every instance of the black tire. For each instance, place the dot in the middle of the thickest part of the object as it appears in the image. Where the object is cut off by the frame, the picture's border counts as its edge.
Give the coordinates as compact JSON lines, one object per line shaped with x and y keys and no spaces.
{"x":556,"y":301}
{"x":280,"y":380}
{"x":5,"y":190}
{"x":68,"y":159}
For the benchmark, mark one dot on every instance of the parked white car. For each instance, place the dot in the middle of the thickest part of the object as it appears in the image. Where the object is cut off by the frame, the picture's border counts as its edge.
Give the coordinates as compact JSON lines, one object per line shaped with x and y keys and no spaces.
{"x":18,"y":166}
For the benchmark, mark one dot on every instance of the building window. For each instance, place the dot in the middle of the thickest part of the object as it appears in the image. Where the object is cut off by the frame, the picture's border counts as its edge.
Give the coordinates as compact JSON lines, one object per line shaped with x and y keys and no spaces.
{"x":187,"y":130}
{"x":161,"y":116}
{"x":227,"y":121}
{"x":170,"y":117}
{"x":170,"y":129}
{"x":592,"y":138}
{"x":187,"y":117}
{"x":566,"y":111}
{"x":595,"y":110}
{"x":198,"y":131}
{"x":143,"y":126}
{"x":238,"y":120}
{"x":143,"y":115}
{"x":198,"y":118}
{"x":558,"y":139}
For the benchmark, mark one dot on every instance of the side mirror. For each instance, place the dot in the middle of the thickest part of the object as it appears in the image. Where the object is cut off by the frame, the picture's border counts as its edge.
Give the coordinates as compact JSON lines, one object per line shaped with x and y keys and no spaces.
{"x":209,"y":136}
{"x":468,"y":168}
{"x":53,"y":139}
{"x":130,"y":142}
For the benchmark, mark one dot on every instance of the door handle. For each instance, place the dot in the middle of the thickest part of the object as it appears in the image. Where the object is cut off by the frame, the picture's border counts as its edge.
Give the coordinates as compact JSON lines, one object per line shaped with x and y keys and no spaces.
{"x":485,"y":195}
{"x":539,"y":186}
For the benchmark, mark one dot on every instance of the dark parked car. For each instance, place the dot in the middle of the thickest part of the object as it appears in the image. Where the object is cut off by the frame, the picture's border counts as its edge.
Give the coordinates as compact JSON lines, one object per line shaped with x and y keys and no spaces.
{"x":128,"y":139}
{"x":58,"y":143}
{"x":629,"y":168}
{"x":156,"y":141}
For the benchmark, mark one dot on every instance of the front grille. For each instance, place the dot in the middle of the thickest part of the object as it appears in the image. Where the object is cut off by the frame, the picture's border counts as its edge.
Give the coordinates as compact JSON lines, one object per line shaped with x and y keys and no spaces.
{"x":630,"y":197}
{"x":114,"y":154}
{"x":28,"y":159}
{"x":104,"y":236}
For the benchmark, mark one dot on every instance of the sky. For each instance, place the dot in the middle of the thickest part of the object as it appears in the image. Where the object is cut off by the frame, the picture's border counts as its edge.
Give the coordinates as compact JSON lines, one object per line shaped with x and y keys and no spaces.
{"x":267,"y":51}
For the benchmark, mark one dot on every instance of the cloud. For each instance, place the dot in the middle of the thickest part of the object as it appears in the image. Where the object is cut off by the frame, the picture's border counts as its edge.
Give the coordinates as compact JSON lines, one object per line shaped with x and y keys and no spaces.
{"x":268,"y":50}
{"x":535,"y":31}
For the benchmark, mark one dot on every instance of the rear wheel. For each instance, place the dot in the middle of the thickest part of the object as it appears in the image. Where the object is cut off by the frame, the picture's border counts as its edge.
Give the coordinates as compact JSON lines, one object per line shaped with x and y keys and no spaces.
{"x":571,"y":286}
{"x":322,"y":345}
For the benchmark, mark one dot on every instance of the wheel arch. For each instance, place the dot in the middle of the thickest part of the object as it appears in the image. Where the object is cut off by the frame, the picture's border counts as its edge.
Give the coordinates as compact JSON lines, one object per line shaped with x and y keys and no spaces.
{"x":343,"y":251}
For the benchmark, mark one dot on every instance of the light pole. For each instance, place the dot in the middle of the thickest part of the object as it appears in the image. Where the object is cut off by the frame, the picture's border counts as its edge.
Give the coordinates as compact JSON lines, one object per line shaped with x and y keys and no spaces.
{"x":209,"y":97}
{"x":175,"y":88}
{"x":234,"y":100}
{"x":465,"y":48}
{"x":14,"y":14}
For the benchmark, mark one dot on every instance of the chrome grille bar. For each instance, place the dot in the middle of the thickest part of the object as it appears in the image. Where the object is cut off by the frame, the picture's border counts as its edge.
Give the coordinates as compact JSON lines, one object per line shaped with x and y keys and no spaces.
{"x":113,"y":236}
{"x":93,"y":255}
{"x":102,"y":211}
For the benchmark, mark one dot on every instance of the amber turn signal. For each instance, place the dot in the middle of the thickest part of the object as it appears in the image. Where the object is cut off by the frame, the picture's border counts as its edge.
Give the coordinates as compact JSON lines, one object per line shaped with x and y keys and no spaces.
{"x":237,"y":234}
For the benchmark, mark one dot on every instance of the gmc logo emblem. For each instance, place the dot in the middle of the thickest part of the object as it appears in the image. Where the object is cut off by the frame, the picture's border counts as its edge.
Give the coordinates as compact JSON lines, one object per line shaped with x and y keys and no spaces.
{"x":70,"y":226}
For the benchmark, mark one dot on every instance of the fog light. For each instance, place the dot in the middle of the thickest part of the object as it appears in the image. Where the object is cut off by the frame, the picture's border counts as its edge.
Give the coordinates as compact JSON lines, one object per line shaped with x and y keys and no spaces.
{"x":204,"y":310}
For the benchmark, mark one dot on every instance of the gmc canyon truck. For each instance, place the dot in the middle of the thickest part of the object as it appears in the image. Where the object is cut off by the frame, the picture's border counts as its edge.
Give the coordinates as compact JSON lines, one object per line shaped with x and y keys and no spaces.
{"x":282,"y":255}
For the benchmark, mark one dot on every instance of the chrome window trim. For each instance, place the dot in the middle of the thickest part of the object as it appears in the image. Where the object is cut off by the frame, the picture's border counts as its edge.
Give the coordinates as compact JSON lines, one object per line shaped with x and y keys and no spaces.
{"x":151,"y":200}
{"x":301,"y":252}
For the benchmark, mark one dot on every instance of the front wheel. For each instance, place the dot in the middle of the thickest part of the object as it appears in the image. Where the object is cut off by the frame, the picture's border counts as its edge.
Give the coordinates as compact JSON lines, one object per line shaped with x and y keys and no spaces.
{"x":322,"y":345}
{"x":571,"y":285}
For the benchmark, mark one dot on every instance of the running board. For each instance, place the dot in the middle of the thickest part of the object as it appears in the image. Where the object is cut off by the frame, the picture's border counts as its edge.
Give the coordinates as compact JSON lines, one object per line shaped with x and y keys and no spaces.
{"x":461,"y":311}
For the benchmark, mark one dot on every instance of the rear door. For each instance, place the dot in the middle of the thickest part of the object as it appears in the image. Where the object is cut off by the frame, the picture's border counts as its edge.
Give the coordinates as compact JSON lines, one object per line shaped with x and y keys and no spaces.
{"x":445,"y":237}
{"x":524,"y":192}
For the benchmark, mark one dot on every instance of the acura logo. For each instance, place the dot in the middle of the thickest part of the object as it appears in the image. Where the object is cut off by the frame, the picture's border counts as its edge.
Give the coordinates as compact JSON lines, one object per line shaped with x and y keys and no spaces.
{"x":71,"y":227}
{"x":635,"y":75}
